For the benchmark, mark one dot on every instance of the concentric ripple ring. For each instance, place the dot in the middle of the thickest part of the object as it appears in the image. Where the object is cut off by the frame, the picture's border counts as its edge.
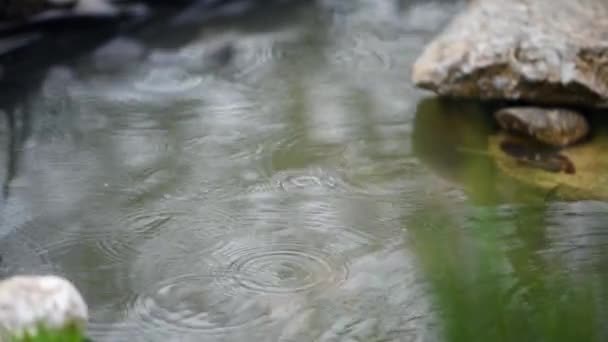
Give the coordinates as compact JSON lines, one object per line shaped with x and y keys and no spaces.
{"x":285,"y":268}
{"x":187,"y":304}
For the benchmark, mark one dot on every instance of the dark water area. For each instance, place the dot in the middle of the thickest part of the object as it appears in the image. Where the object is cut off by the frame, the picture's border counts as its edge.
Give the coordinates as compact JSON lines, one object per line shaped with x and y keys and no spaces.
{"x":276,"y":176}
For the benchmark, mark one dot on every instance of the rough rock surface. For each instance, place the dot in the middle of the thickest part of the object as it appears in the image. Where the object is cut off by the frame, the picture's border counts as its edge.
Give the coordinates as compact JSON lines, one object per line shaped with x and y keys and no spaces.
{"x":28,"y":301}
{"x":552,"y":126}
{"x":543,"y":51}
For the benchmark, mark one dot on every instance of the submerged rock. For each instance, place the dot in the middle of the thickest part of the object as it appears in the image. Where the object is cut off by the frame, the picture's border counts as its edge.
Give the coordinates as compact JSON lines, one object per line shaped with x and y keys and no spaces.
{"x":29,"y":302}
{"x":542,"y":51}
{"x":575,"y":173}
{"x":458,"y":141}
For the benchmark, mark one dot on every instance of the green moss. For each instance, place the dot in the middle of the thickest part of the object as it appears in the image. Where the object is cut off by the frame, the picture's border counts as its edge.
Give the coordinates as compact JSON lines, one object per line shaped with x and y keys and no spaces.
{"x":71,"y":333}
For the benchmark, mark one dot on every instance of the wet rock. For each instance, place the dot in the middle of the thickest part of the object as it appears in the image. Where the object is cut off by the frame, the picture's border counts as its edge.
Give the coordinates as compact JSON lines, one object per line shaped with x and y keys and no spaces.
{"x":22,"y":9}
{"x":575,"y":173}
{"x":26,"y":302}
{"x":18,"y":9}
{"x":551,"y":126}
{"x":21,"y":13}
{"x":56,"y":24}
{"x":458,"y":142}
{"x":543,"y":51}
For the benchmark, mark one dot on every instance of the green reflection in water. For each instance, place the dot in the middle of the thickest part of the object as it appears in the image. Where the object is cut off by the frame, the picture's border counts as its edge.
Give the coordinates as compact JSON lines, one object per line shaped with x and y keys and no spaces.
{"x":451,"y":137}
{"x":486,"y":292}
{"x":485,"y":263}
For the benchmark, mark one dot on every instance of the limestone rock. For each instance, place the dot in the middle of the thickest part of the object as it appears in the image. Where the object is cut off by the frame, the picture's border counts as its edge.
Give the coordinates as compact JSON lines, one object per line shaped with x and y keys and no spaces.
{"x":543,"y":51}
{"x":28,"y":301}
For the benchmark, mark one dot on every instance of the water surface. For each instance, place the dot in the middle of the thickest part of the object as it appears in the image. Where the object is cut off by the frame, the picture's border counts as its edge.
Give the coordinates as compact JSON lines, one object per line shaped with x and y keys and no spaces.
{"x":277,"y":177}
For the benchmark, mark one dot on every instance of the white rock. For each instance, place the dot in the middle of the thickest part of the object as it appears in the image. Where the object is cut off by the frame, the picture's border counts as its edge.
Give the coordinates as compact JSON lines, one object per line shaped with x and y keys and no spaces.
{"x":547,"y":49}
{"x":28,"y":301}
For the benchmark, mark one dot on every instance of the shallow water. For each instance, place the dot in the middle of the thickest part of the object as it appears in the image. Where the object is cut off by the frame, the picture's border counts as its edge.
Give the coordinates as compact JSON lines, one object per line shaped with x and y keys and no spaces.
{"x":278,"y":178}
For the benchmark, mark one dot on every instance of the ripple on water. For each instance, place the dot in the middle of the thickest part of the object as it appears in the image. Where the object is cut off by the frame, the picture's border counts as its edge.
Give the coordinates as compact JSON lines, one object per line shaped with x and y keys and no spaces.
{"x":191,"y":304}
{"x":113,"y":241}
{"x":368,"y":168}
{"x":364,"y":52}
{"x":241,"y":292}
{"x":169,"y":80}
{"x":254,"y":57}
{"x":21,"y":255}
{"x":285,"y":269}
{"x":295,"y":149}
{"x":280,"y":268}
{"x":386,"y":178}
{"x":312,"y":180}
{"x":293,"y":164}
{"x":350,"y":179}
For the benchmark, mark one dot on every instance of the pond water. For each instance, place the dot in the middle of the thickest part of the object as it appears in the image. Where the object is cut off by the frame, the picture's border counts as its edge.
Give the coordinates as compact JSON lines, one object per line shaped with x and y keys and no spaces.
{"x":277,"y":177}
